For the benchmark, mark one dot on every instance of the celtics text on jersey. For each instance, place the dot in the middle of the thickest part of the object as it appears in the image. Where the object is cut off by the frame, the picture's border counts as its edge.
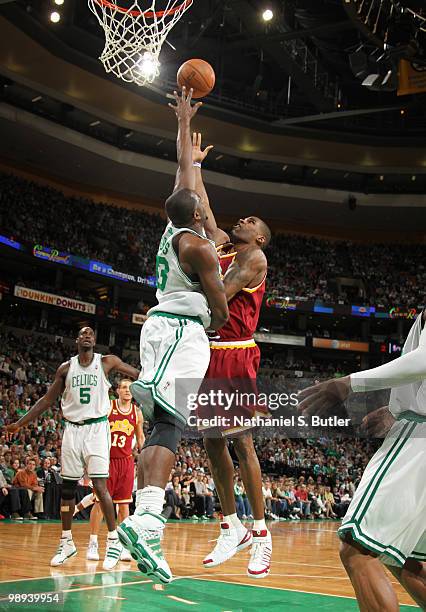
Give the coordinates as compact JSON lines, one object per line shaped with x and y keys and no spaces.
{"x":86,"y":391}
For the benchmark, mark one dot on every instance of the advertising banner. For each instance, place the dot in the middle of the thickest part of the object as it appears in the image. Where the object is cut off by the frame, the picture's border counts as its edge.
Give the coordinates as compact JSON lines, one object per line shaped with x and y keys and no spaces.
{"x":412,"y":78}
{"x":340,"y":345}
{"x":51,"y":299}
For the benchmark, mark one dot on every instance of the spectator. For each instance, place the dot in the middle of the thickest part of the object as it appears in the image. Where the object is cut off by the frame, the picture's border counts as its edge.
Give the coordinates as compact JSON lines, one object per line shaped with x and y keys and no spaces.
{"x":203,"y":497}
{"x":26,"y":479}
{"x":330,"y":503}
{"x":302,"y":497}
{"x":21,"y":375}
{"x":267,"y":498}
{"x":247,"y":508}
{"x":11,"y":471}
{"x":239,"y":502}
{"x":174,"y":500}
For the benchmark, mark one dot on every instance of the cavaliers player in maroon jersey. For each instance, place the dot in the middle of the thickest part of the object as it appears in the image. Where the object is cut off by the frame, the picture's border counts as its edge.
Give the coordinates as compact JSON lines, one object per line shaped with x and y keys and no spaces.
{"x":235,"y":355}
{"x":126,"y":422}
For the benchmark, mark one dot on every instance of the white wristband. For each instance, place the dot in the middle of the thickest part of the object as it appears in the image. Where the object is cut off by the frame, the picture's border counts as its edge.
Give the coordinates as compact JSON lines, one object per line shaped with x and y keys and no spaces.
{"x":197,"y":164}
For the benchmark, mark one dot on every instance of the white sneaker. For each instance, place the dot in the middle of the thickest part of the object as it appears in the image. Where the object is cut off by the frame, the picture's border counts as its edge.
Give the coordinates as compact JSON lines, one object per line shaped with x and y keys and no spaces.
{"x":92,"y":551}
{"x":66,"y":549}
{"x":260,"y":559}
{"x":112,"y":553}
{"x":125,"y":555}
{"x":228,"y":544}
{"x":141,"y":535}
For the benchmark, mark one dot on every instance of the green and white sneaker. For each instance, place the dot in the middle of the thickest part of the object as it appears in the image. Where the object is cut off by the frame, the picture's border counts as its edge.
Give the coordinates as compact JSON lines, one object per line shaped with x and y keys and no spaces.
{"x":141,"y":535}
{"x":66,"y":549}
{"x":112,"y":554}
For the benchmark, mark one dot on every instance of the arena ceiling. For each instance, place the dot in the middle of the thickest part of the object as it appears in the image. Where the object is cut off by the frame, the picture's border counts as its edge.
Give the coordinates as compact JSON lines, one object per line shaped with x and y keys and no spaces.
{"x":298,"y":66}
{"x":273,"y":119}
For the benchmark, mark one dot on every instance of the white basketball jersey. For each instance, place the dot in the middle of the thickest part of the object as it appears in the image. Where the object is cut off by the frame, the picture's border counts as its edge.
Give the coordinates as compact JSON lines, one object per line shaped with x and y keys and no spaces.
{"x":86,"y":391}
{"x":411,"y":397}
{"x":176,"y":292}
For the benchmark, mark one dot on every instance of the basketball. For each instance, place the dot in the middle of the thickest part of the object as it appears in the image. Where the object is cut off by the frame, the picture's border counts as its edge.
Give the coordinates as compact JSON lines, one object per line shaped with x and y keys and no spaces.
{"x":199,"y":75}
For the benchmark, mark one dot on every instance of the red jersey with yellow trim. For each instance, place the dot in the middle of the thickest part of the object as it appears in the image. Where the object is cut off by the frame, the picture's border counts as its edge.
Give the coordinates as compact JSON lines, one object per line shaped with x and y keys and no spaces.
{"x":122,"y":425}
{"x":244,"y":308}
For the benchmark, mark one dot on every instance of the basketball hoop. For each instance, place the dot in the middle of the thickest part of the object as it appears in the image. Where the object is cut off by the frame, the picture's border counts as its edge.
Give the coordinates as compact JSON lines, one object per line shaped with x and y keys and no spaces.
{"x":134,"y":36}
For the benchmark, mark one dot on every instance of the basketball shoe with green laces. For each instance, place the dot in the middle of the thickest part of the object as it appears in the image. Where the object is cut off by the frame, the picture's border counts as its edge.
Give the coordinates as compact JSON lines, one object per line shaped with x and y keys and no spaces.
{"x":141,"y":535}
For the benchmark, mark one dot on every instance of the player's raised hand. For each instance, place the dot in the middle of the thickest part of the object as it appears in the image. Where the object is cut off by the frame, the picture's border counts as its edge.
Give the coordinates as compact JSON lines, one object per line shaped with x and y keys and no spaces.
{"x":198,"y":155}
{"x":323,"y":398}
{"x":183,"y":108}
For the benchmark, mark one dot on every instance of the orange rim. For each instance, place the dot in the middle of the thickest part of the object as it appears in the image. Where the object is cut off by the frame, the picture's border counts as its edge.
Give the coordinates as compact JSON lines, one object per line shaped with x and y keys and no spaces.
{"x":148,"y":14}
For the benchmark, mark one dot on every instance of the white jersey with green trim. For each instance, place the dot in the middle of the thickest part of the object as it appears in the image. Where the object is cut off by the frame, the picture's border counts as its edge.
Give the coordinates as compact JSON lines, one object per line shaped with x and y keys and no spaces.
{"x":176,"y":293}
{"x":86,"y":391}
{"x":411,"y":397}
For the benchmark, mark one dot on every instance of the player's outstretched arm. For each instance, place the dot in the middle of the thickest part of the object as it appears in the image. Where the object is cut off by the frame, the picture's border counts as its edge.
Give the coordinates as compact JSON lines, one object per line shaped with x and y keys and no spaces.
{"x":198,"y":156}
{"x":405,"y":370}
{"x":45,"y":402}
{"x":112,"y":362}
{"x":185,"y":177}
{"x":323,"y":397}
{"x":246,"y":267}
{"x":202,"y":258}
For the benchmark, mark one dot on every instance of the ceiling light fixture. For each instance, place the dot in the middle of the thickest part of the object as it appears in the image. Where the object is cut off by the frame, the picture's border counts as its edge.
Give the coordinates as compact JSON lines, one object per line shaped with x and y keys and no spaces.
{"x":267,"y":15}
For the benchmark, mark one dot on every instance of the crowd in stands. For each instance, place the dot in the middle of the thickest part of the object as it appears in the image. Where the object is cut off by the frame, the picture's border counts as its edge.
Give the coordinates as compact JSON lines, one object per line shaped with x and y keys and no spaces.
{"x":387,"y":274}
{"x":299,"y":476}
{"x":302,"y":479}
{"x":307,"y":366}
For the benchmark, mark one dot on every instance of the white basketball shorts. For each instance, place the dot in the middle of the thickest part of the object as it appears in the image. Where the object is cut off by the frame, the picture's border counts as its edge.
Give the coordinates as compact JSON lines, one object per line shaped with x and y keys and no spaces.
{"x":388,"y":512}
{"x":85,"y":450}
{"x":175,"y":355}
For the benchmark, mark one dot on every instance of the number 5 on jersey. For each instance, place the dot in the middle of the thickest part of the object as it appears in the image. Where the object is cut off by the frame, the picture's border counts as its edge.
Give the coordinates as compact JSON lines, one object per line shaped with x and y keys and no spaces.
{"x":84,"y":395}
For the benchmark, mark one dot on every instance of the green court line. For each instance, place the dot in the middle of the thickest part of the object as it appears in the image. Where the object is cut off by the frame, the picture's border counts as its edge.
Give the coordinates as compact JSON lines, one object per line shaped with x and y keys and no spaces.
{"x":128,"y":591}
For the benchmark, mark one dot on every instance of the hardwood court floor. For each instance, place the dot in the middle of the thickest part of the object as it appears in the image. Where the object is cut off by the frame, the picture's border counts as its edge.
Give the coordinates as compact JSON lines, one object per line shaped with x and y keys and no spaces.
{"x":306,"y":573}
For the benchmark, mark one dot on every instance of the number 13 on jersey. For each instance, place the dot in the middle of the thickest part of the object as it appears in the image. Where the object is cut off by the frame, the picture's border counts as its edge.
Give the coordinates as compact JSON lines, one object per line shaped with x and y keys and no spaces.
{"x":118,"y":440}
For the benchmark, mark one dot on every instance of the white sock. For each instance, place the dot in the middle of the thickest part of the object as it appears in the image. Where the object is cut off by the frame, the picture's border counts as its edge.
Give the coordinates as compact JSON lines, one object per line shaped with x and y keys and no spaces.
{"x":112,"y":535}
{"x":93,"y":538}
{"x":259,"y":525}
{"x":67,"y":534}
{"x":150,"y":499}
{"x":232,"y":519}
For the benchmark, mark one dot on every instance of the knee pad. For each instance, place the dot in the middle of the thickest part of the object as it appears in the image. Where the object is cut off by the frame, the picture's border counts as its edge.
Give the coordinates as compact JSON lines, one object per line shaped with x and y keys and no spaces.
{"x":68,"y":489}
{"x":166,"y":431}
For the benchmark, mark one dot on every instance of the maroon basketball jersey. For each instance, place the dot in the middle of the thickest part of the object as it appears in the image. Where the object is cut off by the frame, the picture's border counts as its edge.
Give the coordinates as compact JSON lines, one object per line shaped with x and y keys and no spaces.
{"x":122,"y":426}
{"x":244,"y":308}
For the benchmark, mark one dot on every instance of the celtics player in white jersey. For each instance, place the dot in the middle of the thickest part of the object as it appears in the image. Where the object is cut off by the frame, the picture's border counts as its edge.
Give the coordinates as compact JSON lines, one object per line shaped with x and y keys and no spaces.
{"x":84,"y":386}
{"x":386,"y":520}
{"x":174,"y":348}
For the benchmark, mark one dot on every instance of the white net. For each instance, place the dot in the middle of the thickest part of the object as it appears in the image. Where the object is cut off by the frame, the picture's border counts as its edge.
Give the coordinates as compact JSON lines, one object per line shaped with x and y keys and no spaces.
{"x":135,"y":34}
